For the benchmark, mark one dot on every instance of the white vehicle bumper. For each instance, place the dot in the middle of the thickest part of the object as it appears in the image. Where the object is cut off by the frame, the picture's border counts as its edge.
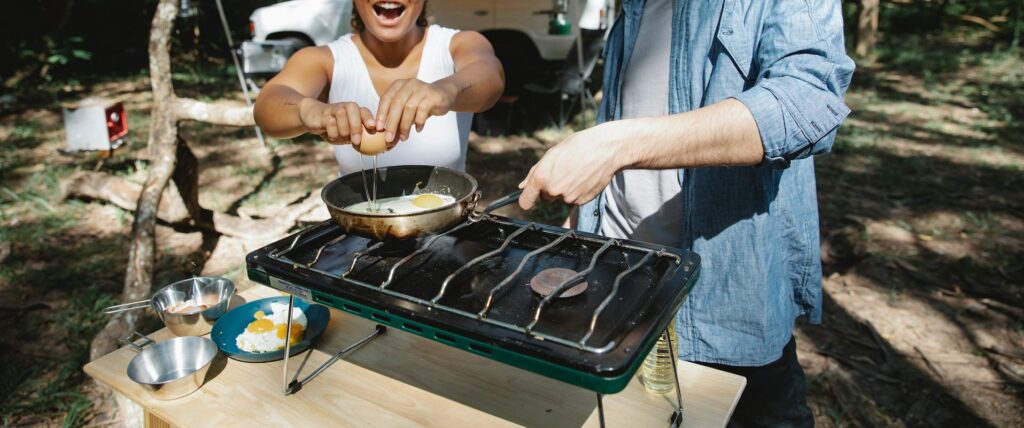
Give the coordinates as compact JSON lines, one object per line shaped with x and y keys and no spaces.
{"x":266,"y":57}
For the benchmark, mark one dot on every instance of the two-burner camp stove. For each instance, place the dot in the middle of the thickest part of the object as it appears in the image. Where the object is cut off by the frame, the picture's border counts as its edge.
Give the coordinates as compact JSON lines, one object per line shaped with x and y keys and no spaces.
{"x":576,"y":307}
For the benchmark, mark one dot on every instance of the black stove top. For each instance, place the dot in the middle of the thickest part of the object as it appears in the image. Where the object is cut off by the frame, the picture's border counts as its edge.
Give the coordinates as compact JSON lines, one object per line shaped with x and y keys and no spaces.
{"x":471,"y":288}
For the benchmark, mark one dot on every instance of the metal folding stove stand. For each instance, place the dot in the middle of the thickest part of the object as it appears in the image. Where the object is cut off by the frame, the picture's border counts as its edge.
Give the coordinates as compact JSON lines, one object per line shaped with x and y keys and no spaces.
{"x":467,"y":288}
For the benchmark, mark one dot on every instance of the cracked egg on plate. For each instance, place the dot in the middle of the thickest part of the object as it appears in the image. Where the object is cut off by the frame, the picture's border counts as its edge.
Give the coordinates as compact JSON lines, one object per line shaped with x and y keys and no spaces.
{"x":266,"y":333}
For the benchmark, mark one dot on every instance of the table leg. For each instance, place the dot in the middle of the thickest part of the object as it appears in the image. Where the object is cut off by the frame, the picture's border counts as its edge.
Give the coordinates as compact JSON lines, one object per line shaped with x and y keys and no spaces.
{"x":153,"y":421}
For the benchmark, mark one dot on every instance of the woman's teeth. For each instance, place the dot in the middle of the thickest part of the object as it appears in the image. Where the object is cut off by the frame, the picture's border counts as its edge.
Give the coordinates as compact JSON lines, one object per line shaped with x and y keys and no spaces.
{"x":388,"y":10}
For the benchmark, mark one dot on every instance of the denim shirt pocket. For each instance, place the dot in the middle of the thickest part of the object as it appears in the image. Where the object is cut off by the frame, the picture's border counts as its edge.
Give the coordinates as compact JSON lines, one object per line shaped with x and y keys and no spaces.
{"x":736,"y":39}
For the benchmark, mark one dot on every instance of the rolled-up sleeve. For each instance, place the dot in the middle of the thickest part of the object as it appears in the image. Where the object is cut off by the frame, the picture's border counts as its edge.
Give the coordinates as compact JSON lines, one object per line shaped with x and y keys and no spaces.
{"x":803,"y":73}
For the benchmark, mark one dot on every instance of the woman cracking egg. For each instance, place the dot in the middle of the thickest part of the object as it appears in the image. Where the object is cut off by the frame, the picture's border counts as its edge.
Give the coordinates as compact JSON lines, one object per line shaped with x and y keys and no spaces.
{"x":395,"y":87}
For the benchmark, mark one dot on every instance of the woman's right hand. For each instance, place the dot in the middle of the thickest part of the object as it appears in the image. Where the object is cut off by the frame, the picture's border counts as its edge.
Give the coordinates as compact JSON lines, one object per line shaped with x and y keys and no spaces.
{"x":339,"y":123}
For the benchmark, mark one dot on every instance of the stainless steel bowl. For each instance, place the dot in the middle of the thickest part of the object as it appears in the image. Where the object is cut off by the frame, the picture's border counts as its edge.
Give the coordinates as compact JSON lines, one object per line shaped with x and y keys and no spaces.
{"x":173,"y":368}
{"x":213,"y":292}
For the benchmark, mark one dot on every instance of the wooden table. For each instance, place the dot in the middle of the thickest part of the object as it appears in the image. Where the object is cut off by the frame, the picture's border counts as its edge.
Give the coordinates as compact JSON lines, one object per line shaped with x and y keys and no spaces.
{"x":399,"y":379}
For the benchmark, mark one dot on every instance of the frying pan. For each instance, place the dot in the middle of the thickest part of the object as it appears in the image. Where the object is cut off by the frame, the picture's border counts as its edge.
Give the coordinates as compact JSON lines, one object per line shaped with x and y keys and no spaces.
{"x":405,"y":180}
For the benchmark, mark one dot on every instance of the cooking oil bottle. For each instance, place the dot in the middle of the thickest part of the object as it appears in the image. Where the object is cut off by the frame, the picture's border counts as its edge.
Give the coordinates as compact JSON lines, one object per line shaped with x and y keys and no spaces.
{"x":656,"y":373}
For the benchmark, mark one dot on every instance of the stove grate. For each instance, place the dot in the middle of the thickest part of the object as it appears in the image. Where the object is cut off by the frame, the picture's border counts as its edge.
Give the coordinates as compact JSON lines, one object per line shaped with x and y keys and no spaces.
{"x":496,"y":292}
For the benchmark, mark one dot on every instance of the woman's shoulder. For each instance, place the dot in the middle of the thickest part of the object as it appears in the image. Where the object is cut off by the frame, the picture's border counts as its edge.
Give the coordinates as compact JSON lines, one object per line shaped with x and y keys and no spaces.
{"x":441,"y":34}
{"x":344,"y":40}
{"x":320,"y":55}
{"x":342,"y":49}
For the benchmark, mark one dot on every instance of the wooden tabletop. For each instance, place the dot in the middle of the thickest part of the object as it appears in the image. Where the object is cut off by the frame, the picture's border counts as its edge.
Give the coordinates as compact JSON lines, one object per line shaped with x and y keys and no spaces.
{"x":399,"y":379}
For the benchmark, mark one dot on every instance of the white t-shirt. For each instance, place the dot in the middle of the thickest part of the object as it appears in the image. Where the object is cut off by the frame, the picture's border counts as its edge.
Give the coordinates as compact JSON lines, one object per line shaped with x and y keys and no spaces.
{"x":644,"y":204}
{"x":444,"y":139}
{"x":591,"y":17}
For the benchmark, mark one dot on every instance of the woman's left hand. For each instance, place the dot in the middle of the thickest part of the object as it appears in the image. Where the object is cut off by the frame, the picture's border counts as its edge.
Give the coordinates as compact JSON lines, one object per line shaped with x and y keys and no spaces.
{"x":411,"y":101}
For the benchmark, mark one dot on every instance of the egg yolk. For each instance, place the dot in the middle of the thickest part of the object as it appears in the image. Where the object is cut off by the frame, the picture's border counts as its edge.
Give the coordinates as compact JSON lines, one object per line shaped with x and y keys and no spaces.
{"x":296,"y":332}
{"x":261,"y":325}
{"x":259,"y":314}
{"x":428,"y":200}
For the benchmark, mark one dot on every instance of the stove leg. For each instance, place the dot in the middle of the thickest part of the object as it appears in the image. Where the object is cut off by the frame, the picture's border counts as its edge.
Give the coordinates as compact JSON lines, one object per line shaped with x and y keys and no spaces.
{"x":676,"y":419}
{"x":287,"y":344}
{"x":600,"y":408}
{"x":295,"y":385}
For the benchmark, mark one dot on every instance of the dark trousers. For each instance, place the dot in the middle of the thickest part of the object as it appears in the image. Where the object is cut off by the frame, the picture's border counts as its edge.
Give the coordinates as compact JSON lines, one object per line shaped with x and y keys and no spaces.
{"x":775,"y":395}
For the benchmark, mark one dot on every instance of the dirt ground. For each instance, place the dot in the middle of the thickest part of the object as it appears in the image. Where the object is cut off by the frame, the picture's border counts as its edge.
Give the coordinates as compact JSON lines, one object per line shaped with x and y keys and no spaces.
{"x":922,"y":233}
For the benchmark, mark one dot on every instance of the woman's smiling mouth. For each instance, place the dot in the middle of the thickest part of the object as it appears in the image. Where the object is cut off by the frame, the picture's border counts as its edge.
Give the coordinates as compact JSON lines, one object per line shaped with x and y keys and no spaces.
{"x":388,"y":12}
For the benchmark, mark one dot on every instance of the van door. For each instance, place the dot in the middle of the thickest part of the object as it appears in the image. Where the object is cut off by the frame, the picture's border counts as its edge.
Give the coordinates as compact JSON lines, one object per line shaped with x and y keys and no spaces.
{"x":475,"y":15}
{"x":532,"y":17}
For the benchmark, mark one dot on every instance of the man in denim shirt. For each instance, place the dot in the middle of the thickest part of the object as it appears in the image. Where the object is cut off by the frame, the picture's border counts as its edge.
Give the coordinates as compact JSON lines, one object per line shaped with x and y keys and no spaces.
{"x":714,"y":155}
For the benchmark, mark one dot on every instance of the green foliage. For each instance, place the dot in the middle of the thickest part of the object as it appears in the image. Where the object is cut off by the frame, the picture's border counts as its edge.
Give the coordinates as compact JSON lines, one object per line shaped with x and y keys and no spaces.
{"x":64,"y":53}
{"x":108,"y":37}
{"x":58,"y":56}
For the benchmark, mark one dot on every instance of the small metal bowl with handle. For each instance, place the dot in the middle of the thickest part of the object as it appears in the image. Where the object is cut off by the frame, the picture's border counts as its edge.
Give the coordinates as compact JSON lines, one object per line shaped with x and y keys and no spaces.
{"x":406,"y":180}
{"x":188,"y":307}
{"x":173,"y":368}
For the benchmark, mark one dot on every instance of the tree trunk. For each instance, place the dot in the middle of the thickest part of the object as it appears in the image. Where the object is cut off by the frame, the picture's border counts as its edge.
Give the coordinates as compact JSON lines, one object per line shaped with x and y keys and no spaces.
{"x":867,"y":27}
{"x":1018,"y":25}
{"x":163,"y":136}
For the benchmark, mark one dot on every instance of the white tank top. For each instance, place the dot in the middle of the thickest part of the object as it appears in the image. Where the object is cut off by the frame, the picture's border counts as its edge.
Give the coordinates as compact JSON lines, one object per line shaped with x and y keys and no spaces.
{"x":444,"y":139}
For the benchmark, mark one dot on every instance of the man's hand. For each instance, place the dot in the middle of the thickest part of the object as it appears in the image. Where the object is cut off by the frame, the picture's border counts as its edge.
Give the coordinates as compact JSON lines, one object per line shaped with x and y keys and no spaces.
{"x":411,"y":101}
{"x":340,"y":123}
{"x":578,"y":168}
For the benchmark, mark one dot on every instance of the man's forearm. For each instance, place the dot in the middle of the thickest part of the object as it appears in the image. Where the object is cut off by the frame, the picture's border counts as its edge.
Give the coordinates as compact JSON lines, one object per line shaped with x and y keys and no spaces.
{"x":722,"y":134}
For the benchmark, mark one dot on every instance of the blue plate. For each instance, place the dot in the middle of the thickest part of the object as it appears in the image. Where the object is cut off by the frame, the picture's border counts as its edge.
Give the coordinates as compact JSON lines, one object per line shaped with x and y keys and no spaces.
{"x":229,"y":326}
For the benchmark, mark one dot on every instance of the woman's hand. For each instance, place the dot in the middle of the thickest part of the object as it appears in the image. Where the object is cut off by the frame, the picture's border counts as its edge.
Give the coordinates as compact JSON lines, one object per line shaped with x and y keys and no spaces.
{"x":340,"y":123}
{"x":408,"y":102}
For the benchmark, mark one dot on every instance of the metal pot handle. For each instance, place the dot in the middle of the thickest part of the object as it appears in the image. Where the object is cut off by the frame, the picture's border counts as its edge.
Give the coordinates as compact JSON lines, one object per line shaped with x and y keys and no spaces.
{"x":471,"y":205}
{"x":146,"y":341}
{"x":498,"y":203}
{"x":141,"y":304}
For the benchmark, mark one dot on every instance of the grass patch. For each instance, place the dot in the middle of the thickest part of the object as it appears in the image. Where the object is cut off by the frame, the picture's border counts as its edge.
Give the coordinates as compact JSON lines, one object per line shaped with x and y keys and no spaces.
{"x":52,"y":386}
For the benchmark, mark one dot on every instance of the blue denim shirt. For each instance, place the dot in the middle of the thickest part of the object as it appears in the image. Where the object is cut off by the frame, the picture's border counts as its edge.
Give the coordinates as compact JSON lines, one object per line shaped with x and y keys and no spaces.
{"x":756,"y":228}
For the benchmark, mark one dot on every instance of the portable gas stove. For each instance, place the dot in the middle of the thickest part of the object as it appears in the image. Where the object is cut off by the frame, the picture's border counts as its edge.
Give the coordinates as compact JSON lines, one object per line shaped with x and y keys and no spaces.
{"x":573,"y":306}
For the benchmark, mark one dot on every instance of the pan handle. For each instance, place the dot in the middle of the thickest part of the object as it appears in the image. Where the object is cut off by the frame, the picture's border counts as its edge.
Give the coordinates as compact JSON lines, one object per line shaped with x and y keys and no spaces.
{"x":146,"y":341}
{"x":141,"y":304}
{"x":498,"y":203}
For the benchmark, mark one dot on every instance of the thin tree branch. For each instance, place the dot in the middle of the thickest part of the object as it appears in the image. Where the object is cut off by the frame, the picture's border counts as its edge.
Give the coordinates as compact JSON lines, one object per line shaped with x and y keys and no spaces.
{"x":220,"y":113}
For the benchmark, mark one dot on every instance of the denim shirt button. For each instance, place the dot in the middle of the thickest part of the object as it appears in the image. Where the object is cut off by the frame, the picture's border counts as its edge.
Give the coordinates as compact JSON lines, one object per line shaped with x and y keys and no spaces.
{"x":596,"y":212}
{"x":778,"y":163}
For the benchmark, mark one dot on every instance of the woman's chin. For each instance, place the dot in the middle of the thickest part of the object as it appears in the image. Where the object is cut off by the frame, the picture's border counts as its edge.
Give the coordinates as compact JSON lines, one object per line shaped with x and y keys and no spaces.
{"x":388,"y":34}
